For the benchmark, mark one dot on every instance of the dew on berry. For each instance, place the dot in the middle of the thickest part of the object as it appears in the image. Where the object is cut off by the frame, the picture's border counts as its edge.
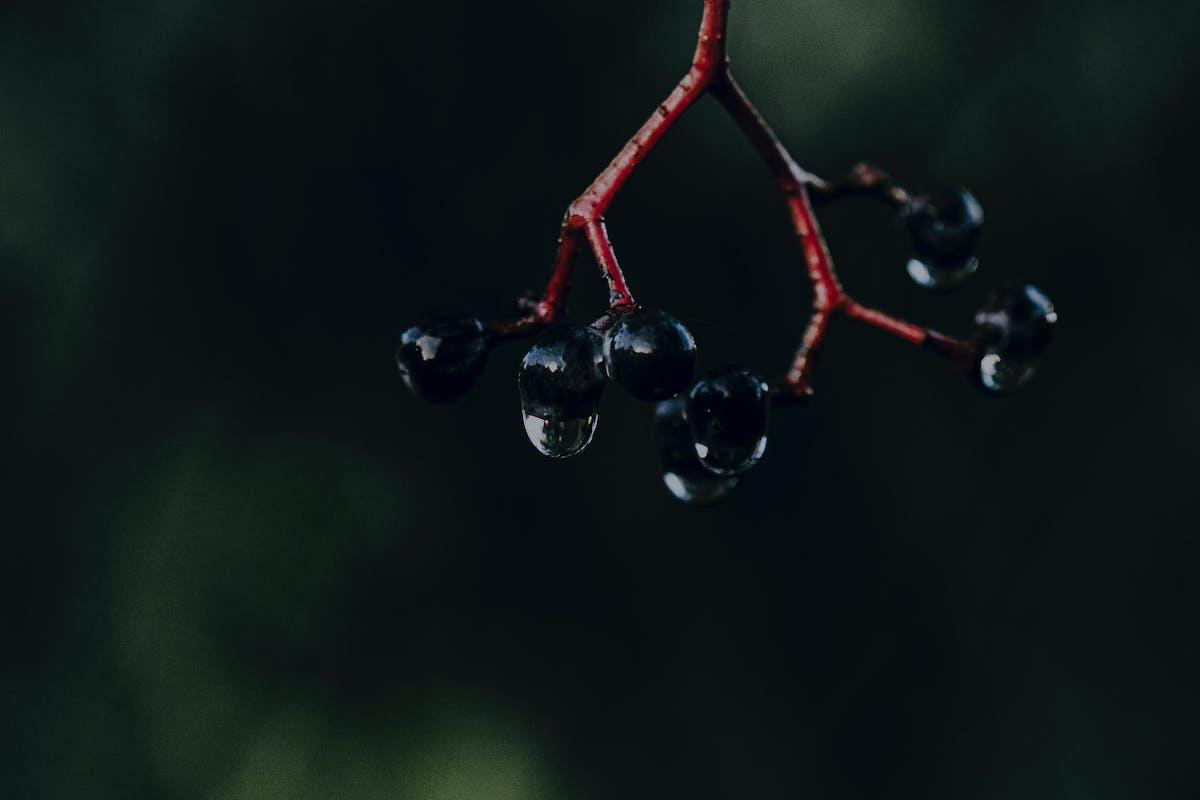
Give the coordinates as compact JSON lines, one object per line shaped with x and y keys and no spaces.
{"x":1012,"y":331}
{"x":561,"y":438}
{"x":727,"y":415}
{"x":936,"y":275}
{"x":944,"y":226}
{"x":1002,"y":375}
{"x":651,"y":354}
{"x":441,"y":359}
{"x":683,"y":474}
{"x":561,"y":380}
{"x":702,"y":490}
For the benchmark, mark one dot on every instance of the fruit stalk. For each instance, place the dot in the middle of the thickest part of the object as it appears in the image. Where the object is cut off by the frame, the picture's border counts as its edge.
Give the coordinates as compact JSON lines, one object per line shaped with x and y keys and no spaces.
{"x":711,"y":431}
{"x":585,"y":214}
{"x":584,"y":220}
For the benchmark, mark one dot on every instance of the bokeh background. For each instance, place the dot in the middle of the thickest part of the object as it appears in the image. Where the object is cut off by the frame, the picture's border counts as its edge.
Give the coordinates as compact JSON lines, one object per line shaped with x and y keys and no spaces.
{"x":242,"y":562}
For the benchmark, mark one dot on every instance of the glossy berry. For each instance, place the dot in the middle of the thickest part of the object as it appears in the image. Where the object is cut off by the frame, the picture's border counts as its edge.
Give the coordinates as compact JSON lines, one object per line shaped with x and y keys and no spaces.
{"x":944,"y":226}
{"x":683,"y":474}
{"x":727,"y":415}
{"x":1012,"y":331}
{"x":441,"y":359}
{"x":561,"y":380}
{"x":651,"y":354}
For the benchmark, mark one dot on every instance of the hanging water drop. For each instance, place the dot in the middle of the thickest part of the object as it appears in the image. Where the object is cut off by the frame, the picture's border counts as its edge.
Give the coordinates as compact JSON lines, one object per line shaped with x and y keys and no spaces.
{"x":698,"y":490}
{"x":727,"y":415}
{"x":561,"y":380}
{"x":1001,"y":375}
{"x":560,"y":438}
{"x":1012,"y":330}
{"x":930,"y":274}
{"x":683,"y":474}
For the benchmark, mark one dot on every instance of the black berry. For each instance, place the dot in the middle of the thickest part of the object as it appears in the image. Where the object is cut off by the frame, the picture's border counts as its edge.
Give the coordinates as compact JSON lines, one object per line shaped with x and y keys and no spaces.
{"x":944,"y":226}
{"x":944,"y":223}
{"x":683,"y":474}
{"x":727,"y":415}
{"x":441,"y":359}
{"x":561,"y":380}
{"x":651,"y":354}
{"x":1012,"y":331}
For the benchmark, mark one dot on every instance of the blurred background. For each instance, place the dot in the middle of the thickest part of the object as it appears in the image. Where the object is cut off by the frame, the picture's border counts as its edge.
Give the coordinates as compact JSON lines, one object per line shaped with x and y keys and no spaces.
{"x":243,"y":562}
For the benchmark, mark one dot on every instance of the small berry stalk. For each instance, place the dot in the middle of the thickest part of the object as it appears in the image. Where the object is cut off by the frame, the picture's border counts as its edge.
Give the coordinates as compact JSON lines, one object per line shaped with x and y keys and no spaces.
{"x":713,"y":430}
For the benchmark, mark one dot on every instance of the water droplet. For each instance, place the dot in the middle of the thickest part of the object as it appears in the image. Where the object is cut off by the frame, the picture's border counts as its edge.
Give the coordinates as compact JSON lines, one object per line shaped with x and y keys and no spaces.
{"x":560,"y":438}
{"x":726,"y":414}
{"x":683,"y":474}
{"x":732,"y":459}
{"x":934,"y":275}
{"x":1002,"y":375}
{"x":698,"y":490}
{"x":1012,"y":330}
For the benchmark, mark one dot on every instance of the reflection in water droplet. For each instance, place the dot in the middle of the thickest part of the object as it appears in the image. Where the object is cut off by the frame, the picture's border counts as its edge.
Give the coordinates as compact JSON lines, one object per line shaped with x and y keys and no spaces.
{"x":698,"y":491}
{"x":718,"y":459}
{"x":932,"y":275}
{"x":560,"y":438}
{"x":683,"y":474}
{"x":1001,"y":375}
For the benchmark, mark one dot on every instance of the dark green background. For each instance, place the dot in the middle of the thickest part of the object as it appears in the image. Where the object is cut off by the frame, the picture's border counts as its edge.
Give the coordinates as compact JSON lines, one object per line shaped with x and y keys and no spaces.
{"x":242,"y":562}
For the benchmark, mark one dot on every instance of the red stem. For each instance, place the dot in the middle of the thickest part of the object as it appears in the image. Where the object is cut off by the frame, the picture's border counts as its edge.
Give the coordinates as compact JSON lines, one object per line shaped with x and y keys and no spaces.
{"x":586,"y":212}
{"x":618,"y":292}
{"x":913,"y":334}
{"x":710,"y":73}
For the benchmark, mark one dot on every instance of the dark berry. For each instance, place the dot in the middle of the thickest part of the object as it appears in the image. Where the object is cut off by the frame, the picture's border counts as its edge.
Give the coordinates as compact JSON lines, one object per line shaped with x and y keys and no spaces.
{"x":934,"y":275}
{"x":441,"y":359}
{"x":651,"y":354}
{"x":1012,"y":331}
{"x":727,"y":415}
{"x":561,"y":380}
{"x":944,"y":223}
{"x":944,"y":226}
{"x":683,"y":474}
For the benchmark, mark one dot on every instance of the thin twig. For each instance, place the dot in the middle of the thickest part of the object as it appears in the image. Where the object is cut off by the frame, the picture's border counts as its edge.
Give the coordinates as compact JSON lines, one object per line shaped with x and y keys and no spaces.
{"x":709,"y":73}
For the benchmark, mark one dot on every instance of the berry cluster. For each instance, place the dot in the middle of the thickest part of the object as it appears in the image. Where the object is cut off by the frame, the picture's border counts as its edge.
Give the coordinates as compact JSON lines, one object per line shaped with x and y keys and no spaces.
{"x":712,"y":430}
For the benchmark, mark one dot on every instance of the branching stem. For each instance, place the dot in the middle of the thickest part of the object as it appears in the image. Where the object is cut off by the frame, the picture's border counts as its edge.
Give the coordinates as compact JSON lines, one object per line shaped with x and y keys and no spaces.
{"x":709,"y":74}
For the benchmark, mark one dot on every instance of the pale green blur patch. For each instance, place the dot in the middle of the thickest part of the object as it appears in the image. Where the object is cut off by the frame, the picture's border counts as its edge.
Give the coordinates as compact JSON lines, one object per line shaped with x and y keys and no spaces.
{"x":81,"y":121}
{"x":1053,"y":737}
{"x":809,"y":63}
{"x":450,"y":748}
{"x":227,"y":549}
